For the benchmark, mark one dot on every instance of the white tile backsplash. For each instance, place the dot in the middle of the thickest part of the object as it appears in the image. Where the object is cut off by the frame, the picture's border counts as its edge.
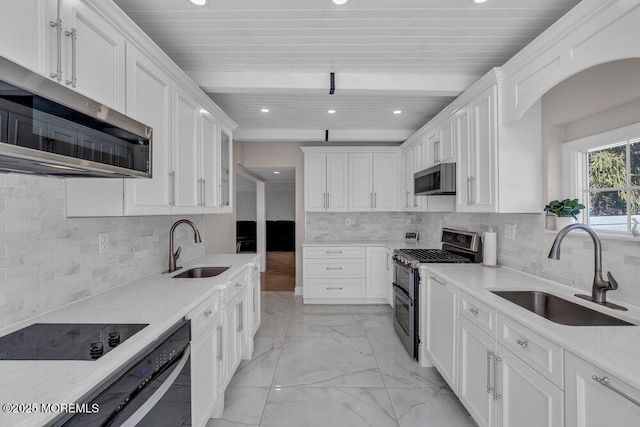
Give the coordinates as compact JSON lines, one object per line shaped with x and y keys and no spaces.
{"x":528,"y":252}
{"x":47,"y":261}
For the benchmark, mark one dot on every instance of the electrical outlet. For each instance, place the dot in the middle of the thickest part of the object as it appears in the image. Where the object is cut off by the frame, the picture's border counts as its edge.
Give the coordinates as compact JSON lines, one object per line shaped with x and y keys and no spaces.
{"x":510,"y":231}
{"x":348,"y":221}
{"x":407,"y":220}
{"x":103,"y":242}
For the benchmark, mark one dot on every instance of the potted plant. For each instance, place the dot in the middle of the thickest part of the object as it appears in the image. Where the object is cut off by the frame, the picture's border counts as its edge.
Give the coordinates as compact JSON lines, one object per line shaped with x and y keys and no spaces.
{"x":566,"y":211}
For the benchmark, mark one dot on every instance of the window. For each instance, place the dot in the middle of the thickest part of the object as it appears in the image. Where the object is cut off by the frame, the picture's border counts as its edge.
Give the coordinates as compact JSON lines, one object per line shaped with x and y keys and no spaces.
{"x":611,"y":186}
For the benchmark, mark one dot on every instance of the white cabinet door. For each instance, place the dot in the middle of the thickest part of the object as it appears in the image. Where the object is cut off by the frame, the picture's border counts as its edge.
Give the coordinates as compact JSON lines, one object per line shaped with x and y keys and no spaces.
{"x":209,"y":161}
{"x":360,"y":182}
{"x":337,"y":187}
{"x":225,"y":172}
{"x":95,"y":63}
{"x":476,"y":373}
{"x":446,"y":147}
{"x":526,"y":398}
{"x":595,"y":398}
{"x":231,"y":341}
{"x":186,"y":116}
{"x":484,"y":167}
{"x":433,"y":139}
{"x":376,"y":272}
{"x":23,"y":25}
{"x":407,"y":176}
{"x":315,"y":181}
{"x":385,"y":182}
{"x":442,"y":315}
{"x":244,"y":323}
{"x":389,"y":279}
{"x":206,"y":359}
{"x":149,"y":101}
{"x":464,"y":171}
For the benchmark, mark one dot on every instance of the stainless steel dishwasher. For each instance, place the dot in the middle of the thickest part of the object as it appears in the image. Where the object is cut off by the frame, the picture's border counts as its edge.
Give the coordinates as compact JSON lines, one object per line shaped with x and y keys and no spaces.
{"x":153,"y":389}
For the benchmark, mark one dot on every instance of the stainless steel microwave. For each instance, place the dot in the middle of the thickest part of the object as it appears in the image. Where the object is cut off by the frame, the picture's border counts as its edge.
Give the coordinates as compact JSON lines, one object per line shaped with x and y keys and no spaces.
{"x":49,"y":129}
{"x":437,"y":180}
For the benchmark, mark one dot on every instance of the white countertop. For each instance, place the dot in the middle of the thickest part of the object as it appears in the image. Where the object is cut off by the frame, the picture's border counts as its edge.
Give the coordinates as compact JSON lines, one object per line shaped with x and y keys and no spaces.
{"x":616,"y":349}
{"x":158,"y":300}
{"x":391,"y":244}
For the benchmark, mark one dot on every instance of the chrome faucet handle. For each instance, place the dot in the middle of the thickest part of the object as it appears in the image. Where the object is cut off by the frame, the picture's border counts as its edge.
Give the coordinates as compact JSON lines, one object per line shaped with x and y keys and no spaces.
{"x":176,"y":255}
{"x":613,"y":283}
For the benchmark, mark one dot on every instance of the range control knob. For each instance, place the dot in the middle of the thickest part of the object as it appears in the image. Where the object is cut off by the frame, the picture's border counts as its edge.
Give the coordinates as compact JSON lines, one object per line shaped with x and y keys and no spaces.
{"x":96,"y":350}
{"x":114,"y":338}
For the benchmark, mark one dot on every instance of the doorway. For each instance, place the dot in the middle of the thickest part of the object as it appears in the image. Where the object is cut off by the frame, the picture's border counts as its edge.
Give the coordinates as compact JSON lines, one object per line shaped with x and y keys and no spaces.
{"x":279,"y":224}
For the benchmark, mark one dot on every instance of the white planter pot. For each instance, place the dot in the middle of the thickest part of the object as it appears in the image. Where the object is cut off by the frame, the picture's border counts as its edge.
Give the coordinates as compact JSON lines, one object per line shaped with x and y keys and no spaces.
{"x":563,"y":221}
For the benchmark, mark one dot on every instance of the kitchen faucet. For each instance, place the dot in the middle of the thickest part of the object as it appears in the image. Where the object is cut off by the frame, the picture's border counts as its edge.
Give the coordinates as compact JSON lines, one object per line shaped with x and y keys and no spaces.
{"x":173,"y":257}
{"x":600,"y":286}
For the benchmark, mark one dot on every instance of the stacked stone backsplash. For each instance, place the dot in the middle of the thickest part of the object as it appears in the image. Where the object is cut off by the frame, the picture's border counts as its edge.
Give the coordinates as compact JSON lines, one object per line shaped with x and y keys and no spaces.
{"x":364,"y":225}
{"x":47,"y":261}
{"x":528,"y":252}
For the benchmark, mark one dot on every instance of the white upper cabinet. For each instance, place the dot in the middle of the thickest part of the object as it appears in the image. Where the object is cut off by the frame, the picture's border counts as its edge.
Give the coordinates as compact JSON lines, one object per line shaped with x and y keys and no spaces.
{"x":325,"y":181}
{"x":23,"y":27}
{"x":209,"y":156}
{"x":184,"y":175}
{"x":224,"y":151}
{"x":373,"y":181}
{"x":149,"y":101}
{"x":477,"y":144}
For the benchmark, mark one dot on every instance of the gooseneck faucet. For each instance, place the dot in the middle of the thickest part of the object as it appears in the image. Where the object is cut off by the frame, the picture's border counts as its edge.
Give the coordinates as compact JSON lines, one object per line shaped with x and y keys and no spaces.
{"x":600,"y":286}
{"x":173,"y":256}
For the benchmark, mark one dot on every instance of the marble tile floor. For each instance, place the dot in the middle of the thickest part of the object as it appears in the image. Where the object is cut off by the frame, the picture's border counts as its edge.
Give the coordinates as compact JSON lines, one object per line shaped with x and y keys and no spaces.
{"x":334,"y":365}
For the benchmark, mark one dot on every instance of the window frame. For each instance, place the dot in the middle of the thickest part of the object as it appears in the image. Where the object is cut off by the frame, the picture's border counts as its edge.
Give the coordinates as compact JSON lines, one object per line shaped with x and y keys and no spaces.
{"x":575,"y":179}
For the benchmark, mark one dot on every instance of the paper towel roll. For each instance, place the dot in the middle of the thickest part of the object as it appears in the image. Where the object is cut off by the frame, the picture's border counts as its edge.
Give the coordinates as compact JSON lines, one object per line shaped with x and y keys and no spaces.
{"x":489,"y":248}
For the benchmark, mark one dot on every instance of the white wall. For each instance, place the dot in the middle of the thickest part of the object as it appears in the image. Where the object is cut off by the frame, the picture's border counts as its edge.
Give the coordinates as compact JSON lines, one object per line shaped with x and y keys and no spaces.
{"x":245,"y":199}
{"x":281,"y":201}
{"x":47,"y":261}
{"x":593,"y":101}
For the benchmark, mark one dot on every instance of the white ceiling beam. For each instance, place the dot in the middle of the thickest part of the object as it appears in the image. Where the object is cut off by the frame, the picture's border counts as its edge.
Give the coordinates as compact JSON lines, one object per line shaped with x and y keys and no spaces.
{"x":346,"y":83}
{"x":314,"y":135}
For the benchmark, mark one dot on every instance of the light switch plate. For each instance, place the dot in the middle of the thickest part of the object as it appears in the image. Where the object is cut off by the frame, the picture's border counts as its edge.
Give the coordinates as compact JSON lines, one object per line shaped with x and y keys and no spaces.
{"x":103,"y":242}
{"x":510,"y":231}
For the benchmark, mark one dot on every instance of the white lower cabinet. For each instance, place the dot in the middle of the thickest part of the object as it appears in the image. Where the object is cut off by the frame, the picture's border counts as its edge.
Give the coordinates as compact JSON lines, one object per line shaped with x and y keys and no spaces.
{"x":389,"y":279}
{"x":377,"y":272}
{"x":593,"y":397}
{"x":442,"y":320}
{"x":206,"y":361}
{"x":256,"y":301}
{"x":499,"y":389}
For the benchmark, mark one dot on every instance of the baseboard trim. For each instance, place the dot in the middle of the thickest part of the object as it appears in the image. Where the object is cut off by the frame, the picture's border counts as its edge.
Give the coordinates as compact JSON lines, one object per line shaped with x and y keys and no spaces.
{"x":297,"y":290}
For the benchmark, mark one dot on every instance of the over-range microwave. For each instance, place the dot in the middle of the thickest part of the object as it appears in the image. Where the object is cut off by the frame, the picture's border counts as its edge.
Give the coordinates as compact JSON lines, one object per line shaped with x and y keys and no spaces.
{"x":439,"y":179}
{"x":49,"y":129}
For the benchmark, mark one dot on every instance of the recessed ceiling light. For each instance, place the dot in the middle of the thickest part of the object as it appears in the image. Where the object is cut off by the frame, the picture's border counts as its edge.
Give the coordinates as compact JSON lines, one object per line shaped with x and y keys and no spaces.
{"x":340,"y":2}
{"x":397,"y":112}
{"x":331,"y":111}
{"x":475,"y":1}
{"x":199,"y":2}
{"x":264,"y":110}
{"x":276,"y":172}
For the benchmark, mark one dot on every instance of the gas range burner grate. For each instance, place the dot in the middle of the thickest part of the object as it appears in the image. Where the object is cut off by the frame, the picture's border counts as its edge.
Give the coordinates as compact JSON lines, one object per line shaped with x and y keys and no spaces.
{"x":433,"y":256}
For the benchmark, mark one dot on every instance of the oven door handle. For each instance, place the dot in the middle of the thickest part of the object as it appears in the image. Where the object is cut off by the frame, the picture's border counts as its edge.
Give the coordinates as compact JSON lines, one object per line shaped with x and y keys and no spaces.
{"x":401,"y":289}
{"x":148,"y":405}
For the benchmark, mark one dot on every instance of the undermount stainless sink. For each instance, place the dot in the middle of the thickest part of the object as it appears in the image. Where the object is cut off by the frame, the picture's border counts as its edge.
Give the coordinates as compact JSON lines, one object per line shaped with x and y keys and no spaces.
{"x":201,"y":272}
{"x":559,"y":310}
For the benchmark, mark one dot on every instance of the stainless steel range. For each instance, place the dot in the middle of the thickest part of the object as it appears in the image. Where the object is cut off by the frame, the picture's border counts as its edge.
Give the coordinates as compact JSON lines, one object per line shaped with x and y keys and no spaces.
{"x":457,"y":247}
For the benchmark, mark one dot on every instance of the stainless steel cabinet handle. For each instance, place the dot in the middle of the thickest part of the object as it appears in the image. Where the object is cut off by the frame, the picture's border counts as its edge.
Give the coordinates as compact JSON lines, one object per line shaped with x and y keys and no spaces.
{"x":334,"y":289}
{"x":375,"y":200}
{"x":240,"y":316}
{"x":496,"y":395}
{"x":408,"y":193}
{"x":324,"y":200}
{"x":371,"y":200}
{"x":474,"y":311}
{"x":333,"y":252}
{"x":220,"y":343}
{"x":468,"y":191}
{"x":605,"y":381}
{"x":333,"y":268}
{"x":58,"y":26}
{"x":204,"y":193}
{"x":471,"y":200}
{"x":438,"y":281}
{"x":172,"y":177}
{"x":523,"y":344}
{"x":436,"y":152}
{"x":72,"y":34}
{"x":489,"y":358}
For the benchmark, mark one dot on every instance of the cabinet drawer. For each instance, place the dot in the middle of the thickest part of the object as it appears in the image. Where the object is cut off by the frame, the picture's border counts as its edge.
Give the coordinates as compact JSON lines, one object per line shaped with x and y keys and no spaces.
{"x":541,"y":354}
{"x":333,"y":252}
{"x":334,"y":288}
{"x":479,"y":314}
{"x":339,"y":268}
{"x":236,"y":285}
{"x":203,"y":316}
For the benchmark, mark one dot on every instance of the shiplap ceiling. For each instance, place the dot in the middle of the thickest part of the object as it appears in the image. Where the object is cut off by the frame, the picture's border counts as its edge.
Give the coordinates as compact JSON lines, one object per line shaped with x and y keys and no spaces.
{"x":409,"y":55}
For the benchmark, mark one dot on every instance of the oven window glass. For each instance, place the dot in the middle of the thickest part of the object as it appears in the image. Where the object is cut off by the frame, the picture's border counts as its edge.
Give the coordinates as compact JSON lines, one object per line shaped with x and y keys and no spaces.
{"x":402,"y":277}
{"x":403,"y":311}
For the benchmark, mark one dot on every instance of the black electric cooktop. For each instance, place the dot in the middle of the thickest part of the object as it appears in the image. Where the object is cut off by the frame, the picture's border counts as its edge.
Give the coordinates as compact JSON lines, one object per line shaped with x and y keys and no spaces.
{"x":65,"y":341}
